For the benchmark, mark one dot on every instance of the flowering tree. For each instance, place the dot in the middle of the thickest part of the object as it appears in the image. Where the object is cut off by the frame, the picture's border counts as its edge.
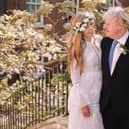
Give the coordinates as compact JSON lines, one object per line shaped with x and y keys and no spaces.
{"x":23,"y":49}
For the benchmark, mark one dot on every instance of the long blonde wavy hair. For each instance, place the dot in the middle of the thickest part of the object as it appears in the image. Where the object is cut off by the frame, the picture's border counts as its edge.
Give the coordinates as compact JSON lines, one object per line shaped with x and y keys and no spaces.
{"x":75,"y":50}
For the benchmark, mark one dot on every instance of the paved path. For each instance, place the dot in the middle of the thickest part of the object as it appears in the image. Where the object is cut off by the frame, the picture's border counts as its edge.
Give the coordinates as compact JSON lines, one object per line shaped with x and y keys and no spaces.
{"x":54,"y":123}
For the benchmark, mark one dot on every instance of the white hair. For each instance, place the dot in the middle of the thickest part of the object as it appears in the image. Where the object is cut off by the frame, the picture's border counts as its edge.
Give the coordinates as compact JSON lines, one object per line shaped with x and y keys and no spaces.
{"x":118,"y":13}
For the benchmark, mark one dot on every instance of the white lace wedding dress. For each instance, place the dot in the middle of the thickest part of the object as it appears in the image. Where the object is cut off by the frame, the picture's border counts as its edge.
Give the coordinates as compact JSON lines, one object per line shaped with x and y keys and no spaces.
{"x":86,"y":91}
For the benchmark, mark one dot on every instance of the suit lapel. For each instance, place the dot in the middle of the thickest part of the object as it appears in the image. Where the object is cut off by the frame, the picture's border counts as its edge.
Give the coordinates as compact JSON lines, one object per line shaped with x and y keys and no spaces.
{"x":108,"y":51}
{"x":105,"y":55}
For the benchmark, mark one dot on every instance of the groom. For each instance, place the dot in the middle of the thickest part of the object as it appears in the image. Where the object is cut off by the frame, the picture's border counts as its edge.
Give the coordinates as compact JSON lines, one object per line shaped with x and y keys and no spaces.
{"x":114,"y":99}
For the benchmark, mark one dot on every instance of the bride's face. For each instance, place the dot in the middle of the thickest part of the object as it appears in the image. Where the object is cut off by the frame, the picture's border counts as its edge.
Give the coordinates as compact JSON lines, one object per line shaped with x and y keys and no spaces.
{"x":89,"y":32}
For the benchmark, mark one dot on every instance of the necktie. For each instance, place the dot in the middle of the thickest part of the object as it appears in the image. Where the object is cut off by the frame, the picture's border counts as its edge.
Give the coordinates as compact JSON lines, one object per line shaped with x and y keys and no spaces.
{"x":111,"y":52}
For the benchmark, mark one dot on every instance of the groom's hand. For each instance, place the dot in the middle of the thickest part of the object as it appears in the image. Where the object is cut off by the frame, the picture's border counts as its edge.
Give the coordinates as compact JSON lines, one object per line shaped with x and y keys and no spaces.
{"x":85,"y":111}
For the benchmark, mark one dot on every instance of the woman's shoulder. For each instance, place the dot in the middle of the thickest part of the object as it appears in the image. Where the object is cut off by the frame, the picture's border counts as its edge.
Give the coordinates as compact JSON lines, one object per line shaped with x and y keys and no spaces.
{"x":101,"y":38}
{"x":98,"y":36}
{"x":98,"y":39}
{"x":105,"y":39}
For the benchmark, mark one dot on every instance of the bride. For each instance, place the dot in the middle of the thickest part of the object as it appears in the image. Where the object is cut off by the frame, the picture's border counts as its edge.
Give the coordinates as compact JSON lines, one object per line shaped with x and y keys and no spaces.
{"x":85,"y":71}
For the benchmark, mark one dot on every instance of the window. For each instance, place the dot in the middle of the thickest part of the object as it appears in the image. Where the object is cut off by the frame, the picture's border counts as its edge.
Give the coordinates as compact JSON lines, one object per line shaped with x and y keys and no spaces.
{"x":77,"y":3}
{"x":32,"y":6}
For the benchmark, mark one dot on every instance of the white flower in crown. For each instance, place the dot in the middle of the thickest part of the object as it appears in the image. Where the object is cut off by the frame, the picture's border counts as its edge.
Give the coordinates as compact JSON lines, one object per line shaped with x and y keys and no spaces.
{"x":89,"y":18}
{"x":83,"y":27}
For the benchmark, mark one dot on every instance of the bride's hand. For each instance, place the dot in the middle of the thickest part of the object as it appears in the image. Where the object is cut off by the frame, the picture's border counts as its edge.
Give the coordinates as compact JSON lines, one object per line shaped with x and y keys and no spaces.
{"x":85,"y":111}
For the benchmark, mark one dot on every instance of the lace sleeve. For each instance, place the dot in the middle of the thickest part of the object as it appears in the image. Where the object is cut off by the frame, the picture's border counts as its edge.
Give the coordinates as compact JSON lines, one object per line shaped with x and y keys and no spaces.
{"x":75,"y":74}
{"x":83,"y":96}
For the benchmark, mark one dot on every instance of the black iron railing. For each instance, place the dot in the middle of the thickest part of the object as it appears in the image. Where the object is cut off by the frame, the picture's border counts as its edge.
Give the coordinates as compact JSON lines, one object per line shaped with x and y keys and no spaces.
{"x":39,"y":100}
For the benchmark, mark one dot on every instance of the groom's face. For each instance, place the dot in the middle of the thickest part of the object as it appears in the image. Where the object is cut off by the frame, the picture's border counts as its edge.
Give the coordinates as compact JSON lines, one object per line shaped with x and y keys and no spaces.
{"x":112,"y":27}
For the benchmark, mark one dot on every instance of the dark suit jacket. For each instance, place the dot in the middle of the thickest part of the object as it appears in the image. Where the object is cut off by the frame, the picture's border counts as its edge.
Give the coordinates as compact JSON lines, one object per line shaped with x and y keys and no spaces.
{"x":115,"y":87}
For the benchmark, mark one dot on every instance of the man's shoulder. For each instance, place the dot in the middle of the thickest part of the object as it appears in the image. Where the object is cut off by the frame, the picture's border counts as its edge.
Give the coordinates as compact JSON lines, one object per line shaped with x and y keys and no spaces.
{"x":106,"y":42}
{"x":107,"y":39}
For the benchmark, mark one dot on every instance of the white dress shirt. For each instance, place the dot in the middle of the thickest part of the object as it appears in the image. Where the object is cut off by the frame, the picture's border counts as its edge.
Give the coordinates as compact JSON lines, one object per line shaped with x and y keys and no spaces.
{"x":118,"y":51}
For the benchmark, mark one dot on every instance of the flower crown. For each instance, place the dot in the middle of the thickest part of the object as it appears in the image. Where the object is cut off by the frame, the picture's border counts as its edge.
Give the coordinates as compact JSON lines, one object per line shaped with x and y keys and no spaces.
{"x":88,"y":19}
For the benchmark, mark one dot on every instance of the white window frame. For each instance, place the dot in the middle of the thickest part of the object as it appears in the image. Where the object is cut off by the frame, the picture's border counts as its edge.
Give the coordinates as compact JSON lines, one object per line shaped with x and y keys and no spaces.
{"x":39,"y":23}
{"x":77,"y":4}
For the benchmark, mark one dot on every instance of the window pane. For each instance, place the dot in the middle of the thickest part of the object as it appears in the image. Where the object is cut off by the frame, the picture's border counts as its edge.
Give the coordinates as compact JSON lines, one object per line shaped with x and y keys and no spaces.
{"x":32,"y":6}
{"x":29,"y":0}
{"x":38,"y":1}
{"x":27,"y":8}
{"x":38,"y":19}
{"x":37,"y":7}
